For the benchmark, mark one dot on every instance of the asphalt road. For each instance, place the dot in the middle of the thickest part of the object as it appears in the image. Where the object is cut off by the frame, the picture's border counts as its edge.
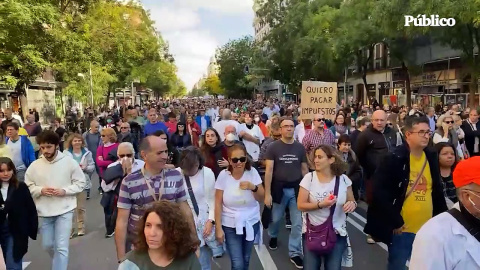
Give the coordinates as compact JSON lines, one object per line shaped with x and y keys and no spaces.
{"x":93,"y":251}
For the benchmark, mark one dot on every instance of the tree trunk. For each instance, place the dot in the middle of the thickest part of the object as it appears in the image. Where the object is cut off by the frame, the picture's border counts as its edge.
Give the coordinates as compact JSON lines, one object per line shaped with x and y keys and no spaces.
{"x":108,"y":97}
{"x":408,"y":89}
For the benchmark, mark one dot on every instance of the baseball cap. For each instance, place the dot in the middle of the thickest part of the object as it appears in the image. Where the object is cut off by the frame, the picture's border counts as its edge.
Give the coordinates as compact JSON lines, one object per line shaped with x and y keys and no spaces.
{"x":467,"y":172}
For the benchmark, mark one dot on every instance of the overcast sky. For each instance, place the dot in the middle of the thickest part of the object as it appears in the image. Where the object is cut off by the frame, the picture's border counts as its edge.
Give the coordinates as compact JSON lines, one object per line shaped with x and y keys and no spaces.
{"x":195,"y":28}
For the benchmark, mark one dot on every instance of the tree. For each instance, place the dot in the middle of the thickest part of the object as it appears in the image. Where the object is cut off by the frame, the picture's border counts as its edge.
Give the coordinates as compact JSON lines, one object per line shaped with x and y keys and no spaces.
{"x":213,"y":86}
{"x":25,"y":39}
{"x":356,"y":35}
{"x":299,"y":44}
{"x":464,"y":36}
{"x":400,"y":40}
{"x":232,"y":58}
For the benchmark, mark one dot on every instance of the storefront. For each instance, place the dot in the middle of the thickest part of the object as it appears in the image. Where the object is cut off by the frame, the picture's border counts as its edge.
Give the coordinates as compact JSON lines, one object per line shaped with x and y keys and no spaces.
{"x":341,"y":93}
{"x":430,"y":88}
{"x":371,"y":93}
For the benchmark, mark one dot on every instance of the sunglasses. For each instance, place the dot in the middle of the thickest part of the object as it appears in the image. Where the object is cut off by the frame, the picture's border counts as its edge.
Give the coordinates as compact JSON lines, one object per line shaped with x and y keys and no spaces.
{"x":241,"y":159}
{"x":449,"y":122}
{"x":390,"y":124}
{"x":126,"y":155}
{"x":103,"y":135}
{"x":320,"y":120}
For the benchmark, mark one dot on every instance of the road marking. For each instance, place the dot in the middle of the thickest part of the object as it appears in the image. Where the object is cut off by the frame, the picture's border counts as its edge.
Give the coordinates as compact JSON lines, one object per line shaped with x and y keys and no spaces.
{"x":265,"y":258}
{"x":358,"y":216}
{"x":360,"y":228}
{"x":25,"y":265}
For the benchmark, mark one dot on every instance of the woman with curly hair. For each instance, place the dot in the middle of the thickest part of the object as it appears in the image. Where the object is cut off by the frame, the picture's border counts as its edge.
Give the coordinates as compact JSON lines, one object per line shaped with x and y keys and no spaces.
{"x":164,"y":241}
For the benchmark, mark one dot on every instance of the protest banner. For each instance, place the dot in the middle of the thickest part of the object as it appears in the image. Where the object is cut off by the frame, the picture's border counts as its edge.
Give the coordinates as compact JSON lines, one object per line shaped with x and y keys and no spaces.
{"x":319,"y":98}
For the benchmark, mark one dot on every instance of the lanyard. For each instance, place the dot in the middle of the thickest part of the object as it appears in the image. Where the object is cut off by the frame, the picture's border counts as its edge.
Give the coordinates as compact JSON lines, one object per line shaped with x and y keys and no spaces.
{"x":150,"y":189}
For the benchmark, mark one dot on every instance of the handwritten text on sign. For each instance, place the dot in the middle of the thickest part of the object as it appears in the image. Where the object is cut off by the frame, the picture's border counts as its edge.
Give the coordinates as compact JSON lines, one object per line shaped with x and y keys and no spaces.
{"x":319,"y":98}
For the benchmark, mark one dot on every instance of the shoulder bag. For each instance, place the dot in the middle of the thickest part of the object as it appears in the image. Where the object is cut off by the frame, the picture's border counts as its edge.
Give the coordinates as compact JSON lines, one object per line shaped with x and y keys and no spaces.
{"x":417,"y":181}
{"x":321,"y":239}
{"x":471,"y":228}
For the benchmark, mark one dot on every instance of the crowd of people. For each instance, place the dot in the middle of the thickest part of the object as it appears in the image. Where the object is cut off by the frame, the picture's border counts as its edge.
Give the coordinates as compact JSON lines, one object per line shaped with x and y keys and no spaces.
{"x":184,"y":181}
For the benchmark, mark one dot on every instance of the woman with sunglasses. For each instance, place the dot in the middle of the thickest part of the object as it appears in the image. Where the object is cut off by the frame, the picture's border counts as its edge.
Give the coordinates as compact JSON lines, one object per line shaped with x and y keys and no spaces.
{"x":237,"y":211}
{"x":446,"y":133}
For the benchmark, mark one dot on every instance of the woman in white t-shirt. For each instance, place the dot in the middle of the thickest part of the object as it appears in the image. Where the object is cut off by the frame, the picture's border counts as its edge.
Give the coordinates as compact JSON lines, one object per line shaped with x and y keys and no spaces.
{"x":237,"y":211}
{"x":316,"y":197}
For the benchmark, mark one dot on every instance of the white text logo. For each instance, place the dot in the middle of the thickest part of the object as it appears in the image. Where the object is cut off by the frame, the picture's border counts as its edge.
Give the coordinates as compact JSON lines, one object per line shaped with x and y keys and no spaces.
{"x":432,"y":20}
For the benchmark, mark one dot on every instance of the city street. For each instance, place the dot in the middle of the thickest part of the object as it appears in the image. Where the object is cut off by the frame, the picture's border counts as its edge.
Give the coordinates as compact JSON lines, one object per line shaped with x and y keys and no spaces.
{"x":94,"y":251}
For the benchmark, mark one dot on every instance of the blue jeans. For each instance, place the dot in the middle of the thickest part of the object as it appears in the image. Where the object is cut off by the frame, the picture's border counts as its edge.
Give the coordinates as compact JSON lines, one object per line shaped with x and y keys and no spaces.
{"x":238,"y":248}
{"x":400,"y":250}
{"x":55,"y":238}
{"x":6,"y":241}
{"x":205,"y":258}
{"x":295,"y":240}
{"x":332,"y":261}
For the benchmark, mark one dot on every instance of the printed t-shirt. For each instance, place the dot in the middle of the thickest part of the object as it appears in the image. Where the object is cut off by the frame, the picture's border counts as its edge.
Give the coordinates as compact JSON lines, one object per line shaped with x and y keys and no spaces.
{"x":418,"y":208}
{"x":288,"y":159}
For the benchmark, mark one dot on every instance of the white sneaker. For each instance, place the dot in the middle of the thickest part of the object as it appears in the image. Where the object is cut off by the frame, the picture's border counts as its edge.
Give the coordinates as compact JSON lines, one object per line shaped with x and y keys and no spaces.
{"x":370,"y":240}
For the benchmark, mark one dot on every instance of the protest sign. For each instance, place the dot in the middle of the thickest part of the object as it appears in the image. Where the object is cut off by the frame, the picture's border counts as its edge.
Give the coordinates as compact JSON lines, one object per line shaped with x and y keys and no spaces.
{"x":319,"y":98}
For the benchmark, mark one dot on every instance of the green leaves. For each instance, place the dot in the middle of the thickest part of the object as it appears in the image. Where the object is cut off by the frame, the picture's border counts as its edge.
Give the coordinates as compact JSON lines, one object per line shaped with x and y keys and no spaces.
{"x":118,"y":39}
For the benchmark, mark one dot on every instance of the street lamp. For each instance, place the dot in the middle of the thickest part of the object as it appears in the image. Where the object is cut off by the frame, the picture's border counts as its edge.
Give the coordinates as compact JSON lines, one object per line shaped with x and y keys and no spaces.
{"x":91,"y":84}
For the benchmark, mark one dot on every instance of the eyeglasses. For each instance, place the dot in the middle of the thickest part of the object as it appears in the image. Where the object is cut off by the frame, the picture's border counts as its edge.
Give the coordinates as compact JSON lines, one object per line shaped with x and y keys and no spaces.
{"x":422,"y":133}
{"x":241,"y":159}
{"x":449,"y":122}
{"x":126,"y":155}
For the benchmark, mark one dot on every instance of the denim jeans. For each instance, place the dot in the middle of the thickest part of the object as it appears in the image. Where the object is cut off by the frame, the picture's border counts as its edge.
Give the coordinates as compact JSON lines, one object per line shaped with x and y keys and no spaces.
{"x":400,"y":250}
{"x":205,"y":258}
{"x":332,"y":261}
{"x":55,"y":238}
{"x":238,"y":248}
{"x":278,"y":210}
{"x":6,"y":241}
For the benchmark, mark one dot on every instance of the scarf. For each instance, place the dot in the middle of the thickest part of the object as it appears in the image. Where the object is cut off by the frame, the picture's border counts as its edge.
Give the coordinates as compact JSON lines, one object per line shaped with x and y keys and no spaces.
{"x":340,"y":129}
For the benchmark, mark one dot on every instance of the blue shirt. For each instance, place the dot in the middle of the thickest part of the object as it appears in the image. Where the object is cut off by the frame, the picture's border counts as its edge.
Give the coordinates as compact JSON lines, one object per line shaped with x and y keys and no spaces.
{"x":150,"y":128}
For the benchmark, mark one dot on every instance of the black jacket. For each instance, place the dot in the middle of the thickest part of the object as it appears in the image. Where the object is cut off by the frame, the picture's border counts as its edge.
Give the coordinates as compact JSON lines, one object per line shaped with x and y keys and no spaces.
{"x":354,"y":171}
{"x":470,"y":135}
{"x":22,"y":218}
{"x":390,"y":183}
{"x":372,"y":146}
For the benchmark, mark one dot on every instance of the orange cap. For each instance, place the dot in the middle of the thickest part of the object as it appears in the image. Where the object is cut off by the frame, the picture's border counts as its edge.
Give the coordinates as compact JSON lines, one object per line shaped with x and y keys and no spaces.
{"x":467,"y":172}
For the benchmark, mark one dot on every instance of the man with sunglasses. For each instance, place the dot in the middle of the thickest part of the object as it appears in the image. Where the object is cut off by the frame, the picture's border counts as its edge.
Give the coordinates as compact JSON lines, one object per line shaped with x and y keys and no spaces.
{"x":317,"y":136}
{"x":451,"y":240}
{"x":408,"y":192}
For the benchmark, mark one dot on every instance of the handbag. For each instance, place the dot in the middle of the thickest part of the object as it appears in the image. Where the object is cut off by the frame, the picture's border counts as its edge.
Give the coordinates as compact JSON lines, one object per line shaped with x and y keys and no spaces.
{"x":321,"y":239}
{"x":210,"y":240}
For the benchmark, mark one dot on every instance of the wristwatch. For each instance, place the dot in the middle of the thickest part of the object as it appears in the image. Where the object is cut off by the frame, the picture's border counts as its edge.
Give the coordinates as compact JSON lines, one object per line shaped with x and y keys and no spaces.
{"x":255,"y":189}
{"x":212,"y":221}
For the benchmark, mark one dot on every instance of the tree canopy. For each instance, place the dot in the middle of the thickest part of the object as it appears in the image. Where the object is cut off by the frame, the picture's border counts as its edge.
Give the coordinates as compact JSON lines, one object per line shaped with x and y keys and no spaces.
{"x":117,"y":40}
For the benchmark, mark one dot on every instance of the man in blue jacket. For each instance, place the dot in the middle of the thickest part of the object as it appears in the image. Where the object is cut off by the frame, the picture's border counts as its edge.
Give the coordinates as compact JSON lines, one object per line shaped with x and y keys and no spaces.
{"x":203,"y":121}
{"x":21,"y":148}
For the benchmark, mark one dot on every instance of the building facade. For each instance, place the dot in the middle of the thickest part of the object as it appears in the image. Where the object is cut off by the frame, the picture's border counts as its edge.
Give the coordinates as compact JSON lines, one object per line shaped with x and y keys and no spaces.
{"x":438,"y":77}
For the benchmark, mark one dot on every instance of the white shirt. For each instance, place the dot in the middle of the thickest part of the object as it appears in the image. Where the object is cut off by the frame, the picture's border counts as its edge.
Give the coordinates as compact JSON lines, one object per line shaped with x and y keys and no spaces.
{"x":253,"y":149}
{"x":235,"y":200}
{"x":444,"y":244}
{"x":318,"y":192}
{"x":221,"y":125}
{"x":16,"y":151}
{"x":299,"y":132}
{"x":4,"y":190}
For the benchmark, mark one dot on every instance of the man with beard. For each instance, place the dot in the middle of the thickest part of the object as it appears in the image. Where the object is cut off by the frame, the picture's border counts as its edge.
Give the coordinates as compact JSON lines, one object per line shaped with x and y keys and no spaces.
{"x":153,"y":179}
{"x":54,"y":181}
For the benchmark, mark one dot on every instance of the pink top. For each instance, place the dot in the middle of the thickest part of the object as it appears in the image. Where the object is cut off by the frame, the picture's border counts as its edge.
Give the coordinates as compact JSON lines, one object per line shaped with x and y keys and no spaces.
{"x":172,"y":127}
{"x":102,"y":151}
